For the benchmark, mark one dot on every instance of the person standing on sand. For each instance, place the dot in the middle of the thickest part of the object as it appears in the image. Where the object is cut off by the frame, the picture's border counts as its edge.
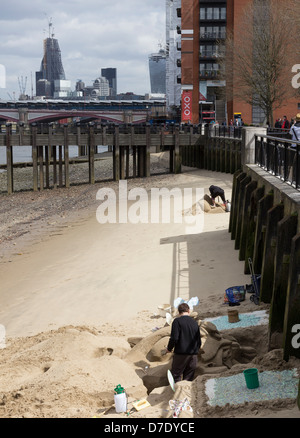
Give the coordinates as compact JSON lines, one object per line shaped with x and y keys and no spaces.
{"x":186,"y":341}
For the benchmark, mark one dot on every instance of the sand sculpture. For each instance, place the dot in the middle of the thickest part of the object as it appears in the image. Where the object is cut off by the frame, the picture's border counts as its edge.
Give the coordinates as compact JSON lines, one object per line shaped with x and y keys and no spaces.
{"x":219,"y":352}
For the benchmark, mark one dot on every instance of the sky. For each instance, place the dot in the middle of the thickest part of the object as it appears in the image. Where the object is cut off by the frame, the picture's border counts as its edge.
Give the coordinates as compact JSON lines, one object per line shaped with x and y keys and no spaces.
{"x":92,"y":34}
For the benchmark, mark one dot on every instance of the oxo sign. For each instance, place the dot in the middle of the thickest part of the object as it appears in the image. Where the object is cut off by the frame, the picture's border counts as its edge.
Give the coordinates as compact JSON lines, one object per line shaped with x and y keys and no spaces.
{"x":186,"y":106}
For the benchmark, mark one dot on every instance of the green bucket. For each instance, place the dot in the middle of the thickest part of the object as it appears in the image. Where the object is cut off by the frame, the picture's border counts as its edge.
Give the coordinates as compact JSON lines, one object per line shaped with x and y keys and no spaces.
{"x":251,"y":377}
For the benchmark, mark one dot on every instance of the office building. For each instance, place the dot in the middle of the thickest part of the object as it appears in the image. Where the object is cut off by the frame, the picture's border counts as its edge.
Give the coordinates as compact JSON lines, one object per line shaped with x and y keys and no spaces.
{"x":62,"y":88}
{"x":111,"y":75}
{"x":157,"y":70}
{"x":51,"y":66}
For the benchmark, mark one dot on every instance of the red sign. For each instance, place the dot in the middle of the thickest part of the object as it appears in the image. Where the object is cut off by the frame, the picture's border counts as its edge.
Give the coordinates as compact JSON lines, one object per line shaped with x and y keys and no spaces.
{"x":186,"y":106}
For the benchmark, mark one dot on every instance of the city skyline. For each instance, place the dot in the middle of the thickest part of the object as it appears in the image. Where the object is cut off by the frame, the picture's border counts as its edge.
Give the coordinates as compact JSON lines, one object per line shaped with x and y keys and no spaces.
{"x":99,"y":36}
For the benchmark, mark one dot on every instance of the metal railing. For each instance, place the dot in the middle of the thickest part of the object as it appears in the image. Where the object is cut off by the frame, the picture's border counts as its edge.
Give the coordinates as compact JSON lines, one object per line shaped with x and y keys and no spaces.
{"x":280,"y":157}
{"x":225,"y":131}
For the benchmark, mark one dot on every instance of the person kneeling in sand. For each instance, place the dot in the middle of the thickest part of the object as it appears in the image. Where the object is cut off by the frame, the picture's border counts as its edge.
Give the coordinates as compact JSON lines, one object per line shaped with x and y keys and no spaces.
{"x":217,"y":191}
{"x":186,"y":341}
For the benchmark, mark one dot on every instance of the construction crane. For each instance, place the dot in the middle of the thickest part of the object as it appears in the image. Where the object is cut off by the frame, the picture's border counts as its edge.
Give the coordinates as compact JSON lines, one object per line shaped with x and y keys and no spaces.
{"x":22,"y":85}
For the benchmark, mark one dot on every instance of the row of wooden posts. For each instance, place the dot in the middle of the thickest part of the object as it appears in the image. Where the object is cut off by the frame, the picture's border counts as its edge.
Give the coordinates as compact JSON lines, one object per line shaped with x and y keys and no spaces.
{"x":188,"y":145}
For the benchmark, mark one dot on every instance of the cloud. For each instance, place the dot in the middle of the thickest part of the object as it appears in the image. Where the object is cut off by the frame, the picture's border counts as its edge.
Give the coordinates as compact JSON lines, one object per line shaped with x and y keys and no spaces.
{"x":93,"y":34}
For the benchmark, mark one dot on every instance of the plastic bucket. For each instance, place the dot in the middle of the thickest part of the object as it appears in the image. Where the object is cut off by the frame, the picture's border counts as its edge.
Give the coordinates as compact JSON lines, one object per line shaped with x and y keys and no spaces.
{"x":251,"y":377}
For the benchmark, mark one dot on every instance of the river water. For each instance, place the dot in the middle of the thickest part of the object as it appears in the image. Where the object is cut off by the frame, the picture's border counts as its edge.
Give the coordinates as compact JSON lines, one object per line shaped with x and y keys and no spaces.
{"x":22,"y":154}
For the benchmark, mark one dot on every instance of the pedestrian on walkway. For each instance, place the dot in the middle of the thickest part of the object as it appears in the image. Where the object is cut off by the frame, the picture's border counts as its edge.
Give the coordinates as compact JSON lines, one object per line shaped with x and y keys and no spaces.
{"x":294,"y":173}
{"x":295,"y":130}
{"x":186,"y":341}
{"x":285,"y":123}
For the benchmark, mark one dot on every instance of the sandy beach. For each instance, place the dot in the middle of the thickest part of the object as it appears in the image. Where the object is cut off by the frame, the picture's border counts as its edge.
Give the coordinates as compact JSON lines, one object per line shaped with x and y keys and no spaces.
{"x":79,"y":304}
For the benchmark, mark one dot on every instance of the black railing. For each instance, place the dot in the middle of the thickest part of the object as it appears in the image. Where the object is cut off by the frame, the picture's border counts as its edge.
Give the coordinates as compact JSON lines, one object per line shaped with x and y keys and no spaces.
{"x":225,"y":131}
{"x":278,"y":132}
{"x":280,"y":157}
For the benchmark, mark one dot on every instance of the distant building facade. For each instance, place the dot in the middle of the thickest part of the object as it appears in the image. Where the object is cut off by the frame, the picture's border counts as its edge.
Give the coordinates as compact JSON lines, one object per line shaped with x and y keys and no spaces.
{"x":173,"y":55}
{"x":157,"y":70}
{"x":111,"y":75}
{"x":51,"y":68}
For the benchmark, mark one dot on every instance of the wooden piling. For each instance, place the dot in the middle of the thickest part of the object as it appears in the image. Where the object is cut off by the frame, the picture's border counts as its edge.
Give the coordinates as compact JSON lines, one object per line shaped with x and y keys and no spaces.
{"x":9,"y":160}
{"x":66,"y":156}
{"x":292,"y":308}
{"x":41,"y":166}
{"x":240,"y":209}
{"x":116,"y":155}
{"x":34,"y":158}
{"x":274,"y":215}
{"x":264,"y":205}
{"x":245,"y":218}
{"x":91,"y":154}
{"x":287,"y":229}
{"x":177,"y":157}
{"x":60,"y":166}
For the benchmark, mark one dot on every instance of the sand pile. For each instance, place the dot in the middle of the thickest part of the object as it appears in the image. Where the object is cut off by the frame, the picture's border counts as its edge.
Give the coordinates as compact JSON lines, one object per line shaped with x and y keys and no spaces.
{"x":71,"y":372}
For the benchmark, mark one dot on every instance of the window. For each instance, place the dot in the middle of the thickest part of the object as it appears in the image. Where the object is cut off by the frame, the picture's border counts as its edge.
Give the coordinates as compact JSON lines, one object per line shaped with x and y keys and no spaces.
{"x":208,"y":50}
{"x":212,"y":32}
{"x":216,"y":13}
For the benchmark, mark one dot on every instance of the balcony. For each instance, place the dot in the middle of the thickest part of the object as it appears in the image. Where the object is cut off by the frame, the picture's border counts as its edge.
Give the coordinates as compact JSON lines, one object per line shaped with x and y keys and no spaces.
{"x":213,"y":36}
{"x":209,"y":74}
{"x":208,"y":56}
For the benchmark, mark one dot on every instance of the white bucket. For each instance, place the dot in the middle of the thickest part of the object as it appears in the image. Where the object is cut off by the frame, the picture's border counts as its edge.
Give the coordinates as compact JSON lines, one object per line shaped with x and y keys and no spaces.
{"x":163,"y":309}
{"x":120,"y":402}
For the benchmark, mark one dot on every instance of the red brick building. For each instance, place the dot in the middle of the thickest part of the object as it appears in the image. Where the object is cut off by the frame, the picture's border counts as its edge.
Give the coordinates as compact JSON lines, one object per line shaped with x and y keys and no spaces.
{"x":203,"y":23}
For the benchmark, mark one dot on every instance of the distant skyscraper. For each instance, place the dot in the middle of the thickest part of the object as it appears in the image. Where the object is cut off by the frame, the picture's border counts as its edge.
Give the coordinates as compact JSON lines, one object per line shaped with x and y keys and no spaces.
{"x":157,"y":69}
{"x":51,"y":65}
{"x":111,"y":75}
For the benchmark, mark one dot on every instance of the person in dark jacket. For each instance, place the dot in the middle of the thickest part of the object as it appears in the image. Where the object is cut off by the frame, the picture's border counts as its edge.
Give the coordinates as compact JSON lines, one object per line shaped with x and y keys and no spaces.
{"x":186,"y":341}
{"x":217,"y":191}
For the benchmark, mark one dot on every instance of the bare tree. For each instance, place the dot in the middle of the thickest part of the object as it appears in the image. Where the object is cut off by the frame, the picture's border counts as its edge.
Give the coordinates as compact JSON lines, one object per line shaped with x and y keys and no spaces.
{"x":257,"y":61}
